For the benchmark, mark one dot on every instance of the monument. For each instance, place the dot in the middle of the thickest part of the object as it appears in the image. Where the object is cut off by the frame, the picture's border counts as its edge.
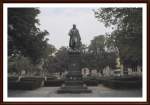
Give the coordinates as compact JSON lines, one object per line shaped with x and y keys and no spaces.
{"x":73,"y":81}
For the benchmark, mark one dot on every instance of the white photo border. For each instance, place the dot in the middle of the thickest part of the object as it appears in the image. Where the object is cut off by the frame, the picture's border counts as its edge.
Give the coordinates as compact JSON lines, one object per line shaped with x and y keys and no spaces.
{"x":69,"y":99}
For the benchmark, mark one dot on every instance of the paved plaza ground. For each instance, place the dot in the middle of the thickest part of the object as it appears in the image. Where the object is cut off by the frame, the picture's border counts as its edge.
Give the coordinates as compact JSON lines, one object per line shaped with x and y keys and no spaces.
{"x":97,"y":91}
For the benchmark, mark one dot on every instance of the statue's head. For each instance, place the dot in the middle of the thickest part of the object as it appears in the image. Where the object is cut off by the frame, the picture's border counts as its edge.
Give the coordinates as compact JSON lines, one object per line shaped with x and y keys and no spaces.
{"x":74,"y":26}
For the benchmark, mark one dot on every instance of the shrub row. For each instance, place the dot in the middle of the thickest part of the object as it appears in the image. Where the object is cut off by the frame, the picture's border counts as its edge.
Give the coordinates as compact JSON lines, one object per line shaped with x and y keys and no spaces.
{"x":122,"y":82}
{"x":27,"y":83}
{"x":30,"y":83}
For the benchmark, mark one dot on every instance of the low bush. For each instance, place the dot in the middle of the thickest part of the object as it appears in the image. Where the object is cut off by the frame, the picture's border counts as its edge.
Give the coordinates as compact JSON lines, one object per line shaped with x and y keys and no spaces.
{"x":56,"y":82}
{"x":124,"y":82}
{"x":26,"y":83}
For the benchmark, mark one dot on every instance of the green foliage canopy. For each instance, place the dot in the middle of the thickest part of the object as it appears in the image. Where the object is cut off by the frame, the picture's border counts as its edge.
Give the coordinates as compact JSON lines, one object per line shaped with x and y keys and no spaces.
{"x":97,"y":57}
{"x":128,"y":31}
{"x":24,"y":36}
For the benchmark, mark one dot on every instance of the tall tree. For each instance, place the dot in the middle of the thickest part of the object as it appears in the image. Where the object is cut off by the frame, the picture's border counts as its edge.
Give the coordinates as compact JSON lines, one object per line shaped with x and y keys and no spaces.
{"x":100,"y":57}
{"x":57,"y":62}
{"x":127,"y":33}
{"x":24,"y":36}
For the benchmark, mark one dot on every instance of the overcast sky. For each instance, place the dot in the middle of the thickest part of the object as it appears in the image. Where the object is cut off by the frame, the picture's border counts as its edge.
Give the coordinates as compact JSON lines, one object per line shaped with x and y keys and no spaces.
{"x":58,"y":22}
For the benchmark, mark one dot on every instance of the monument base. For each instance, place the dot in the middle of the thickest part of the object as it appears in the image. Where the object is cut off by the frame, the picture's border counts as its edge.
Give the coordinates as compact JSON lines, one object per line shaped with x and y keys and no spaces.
{"x":74,"y":82}
{"x":74,"y":86}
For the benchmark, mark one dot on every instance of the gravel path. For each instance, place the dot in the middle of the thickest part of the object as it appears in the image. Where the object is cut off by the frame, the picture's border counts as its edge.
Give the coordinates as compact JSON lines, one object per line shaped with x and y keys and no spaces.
{"x":98,"y":91}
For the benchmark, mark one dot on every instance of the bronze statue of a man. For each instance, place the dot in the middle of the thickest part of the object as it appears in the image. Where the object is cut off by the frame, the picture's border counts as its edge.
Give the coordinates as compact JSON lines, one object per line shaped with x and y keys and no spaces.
{"x":75,"y":39}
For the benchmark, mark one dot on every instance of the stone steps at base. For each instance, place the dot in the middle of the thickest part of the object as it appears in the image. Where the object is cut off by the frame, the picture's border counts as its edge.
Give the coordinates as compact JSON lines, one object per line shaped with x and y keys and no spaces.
{"x":73,"y":83}
{"x":74,"y":91}
{"x":73,"y":87}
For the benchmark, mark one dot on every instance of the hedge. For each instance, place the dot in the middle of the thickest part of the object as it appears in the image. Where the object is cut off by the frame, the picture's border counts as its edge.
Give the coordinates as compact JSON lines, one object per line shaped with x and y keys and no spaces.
{"x":125,"y":82}
{"x":25,"y":83}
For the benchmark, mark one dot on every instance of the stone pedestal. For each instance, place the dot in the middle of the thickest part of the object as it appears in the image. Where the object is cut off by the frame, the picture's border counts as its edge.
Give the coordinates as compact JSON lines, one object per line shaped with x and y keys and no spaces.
{"x":74,"y":82}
